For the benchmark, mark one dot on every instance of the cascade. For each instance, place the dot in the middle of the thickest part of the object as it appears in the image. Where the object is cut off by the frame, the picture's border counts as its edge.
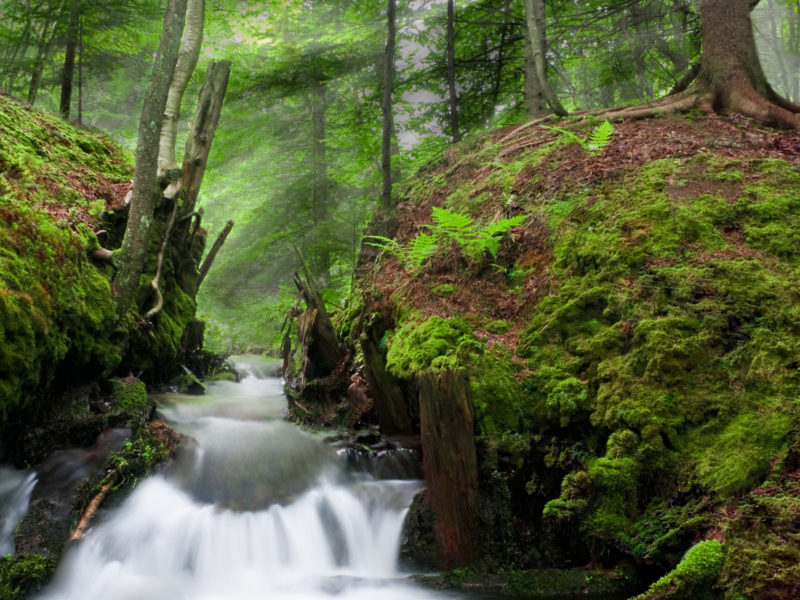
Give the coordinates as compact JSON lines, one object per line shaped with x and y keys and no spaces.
{"x":251,"y":508}
{"x":15,"y":493}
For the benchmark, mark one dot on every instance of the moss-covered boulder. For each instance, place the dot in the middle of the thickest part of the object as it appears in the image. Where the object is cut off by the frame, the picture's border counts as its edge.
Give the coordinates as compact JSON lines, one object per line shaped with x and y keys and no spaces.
{"x":632,"y":346}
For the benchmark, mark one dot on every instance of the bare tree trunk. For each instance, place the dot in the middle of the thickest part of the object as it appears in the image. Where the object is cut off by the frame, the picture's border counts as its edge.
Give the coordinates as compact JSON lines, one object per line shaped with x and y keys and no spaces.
{"x":388,"y":120}
{"x":498,"y":72}
{"x":68,"y":72}
{"x":320,"y":192}
{"x":206,"y":118}
{"x":133,"y":253}
{"x":535,"y":20}
{"x":534,"y":99}
{"x":451,"y":70}
{"x":191,"y":40}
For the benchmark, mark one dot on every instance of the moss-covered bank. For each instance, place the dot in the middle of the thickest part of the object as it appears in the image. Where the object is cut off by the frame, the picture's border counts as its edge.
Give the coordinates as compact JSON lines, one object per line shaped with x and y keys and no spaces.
{"x":62,"y":195}
{"x":633,"y":347}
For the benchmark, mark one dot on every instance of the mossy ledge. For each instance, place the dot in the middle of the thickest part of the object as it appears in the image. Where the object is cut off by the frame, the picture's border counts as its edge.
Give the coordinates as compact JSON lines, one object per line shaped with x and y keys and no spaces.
{"x":632,"y":347}
{"x":62,"y":192}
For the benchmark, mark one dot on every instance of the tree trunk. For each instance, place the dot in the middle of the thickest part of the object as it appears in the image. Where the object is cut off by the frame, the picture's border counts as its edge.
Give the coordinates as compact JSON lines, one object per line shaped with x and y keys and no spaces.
{"x":320,"y":192}
{"x":535,"y":20}
{"x":499,"y":63}
{"x":388,"y":120}
{"x":68,"y":72}
{"x":133,"y":253}
{"x":204,"y":124}
{"x":534,"y":99}
{"x":731,"y":75}
{"x":191,"y":40}
{"x":450,"y":462}
{"x":731,"y":78}
{"x":451,"y":70}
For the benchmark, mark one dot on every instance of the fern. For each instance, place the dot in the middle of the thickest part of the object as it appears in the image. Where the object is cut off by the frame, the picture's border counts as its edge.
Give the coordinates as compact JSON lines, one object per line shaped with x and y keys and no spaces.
{"x":385,"y":243}
{"x":423,"y":246}
{"x":448,"y":226}
{"x":594,"y":143}
{"x":599,"y":138}
{"x":451,"y":223}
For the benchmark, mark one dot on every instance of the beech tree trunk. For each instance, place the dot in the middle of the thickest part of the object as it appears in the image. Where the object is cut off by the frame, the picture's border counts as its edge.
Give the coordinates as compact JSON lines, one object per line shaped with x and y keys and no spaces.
{"x":146,"y":195}
{"x":191,"y":40}
{"x":535,"y":20}
{"x":388,"y":118}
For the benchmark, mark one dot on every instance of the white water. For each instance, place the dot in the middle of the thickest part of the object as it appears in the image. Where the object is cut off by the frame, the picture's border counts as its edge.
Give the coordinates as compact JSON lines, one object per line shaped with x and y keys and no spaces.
{"x":255,"y":509}
{"x":15,"y":494}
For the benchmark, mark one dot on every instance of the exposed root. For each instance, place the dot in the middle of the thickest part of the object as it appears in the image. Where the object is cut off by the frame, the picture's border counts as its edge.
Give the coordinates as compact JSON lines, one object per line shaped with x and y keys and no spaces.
{"x":159,"y":297}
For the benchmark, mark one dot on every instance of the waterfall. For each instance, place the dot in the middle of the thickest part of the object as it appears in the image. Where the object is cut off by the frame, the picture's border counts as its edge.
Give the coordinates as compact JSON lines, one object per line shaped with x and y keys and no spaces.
{"x":253,"y":508}
{"x":15,"y":493}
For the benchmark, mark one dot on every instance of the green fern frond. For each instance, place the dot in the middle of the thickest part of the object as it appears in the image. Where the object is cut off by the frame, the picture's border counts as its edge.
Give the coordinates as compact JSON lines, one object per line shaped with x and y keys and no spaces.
{"x":599,"y":138}
{"x":571,"y":137}
{"x":450,"y":221}
{"x":423,"y":246}
{"x":384,"y":243}
{"x":503,"y":225}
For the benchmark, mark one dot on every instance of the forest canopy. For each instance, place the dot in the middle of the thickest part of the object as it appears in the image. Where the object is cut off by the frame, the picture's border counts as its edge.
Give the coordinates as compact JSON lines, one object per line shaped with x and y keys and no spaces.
{"x":296,"y":158}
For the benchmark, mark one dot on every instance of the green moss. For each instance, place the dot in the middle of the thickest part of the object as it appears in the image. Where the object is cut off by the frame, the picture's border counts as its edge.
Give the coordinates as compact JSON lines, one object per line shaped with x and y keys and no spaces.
{"x":436,"y":344}
{"x":127,"y":394}
{"x":21,"y":576}
{"x":498,"y":327}
{"x":693,"y":577}
{"x":444,"y":290}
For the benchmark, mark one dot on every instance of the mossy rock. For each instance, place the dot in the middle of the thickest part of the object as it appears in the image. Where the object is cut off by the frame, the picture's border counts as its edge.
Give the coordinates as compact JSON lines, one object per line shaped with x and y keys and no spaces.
{"x":23,"y":575}
{"x":128,"y":394}
{"x":693,"y":578}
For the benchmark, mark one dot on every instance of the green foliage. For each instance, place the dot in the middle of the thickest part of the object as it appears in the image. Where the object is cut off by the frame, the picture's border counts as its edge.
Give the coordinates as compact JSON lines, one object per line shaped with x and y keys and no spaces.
{"x":474,"y":240}
{"x":444,"y":290}
{"x":693,"y":577}
{"x":128,"y":395}
{"x":594,"y":143}
{"x":24,"y":575}
{"x":435,"y":343}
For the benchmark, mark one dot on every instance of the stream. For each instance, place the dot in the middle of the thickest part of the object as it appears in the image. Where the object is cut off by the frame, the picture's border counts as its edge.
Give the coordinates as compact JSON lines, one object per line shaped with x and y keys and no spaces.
{"x":252,"y":508}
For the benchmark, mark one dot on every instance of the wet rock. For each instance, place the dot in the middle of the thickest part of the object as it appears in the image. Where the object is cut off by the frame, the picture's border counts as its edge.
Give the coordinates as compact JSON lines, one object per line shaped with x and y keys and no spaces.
{"x":418,"y":547}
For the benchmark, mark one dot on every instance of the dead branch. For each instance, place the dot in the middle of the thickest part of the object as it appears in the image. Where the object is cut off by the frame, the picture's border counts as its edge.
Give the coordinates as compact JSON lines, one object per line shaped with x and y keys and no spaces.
{"x":103,"y":255}
{"x":212,"y":254}
{"x":91,"y":509}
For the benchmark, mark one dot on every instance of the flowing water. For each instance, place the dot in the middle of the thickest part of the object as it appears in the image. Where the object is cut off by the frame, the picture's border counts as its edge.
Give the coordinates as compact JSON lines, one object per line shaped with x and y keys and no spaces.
{"x":252,"y":508}
{"x":15,"y":493}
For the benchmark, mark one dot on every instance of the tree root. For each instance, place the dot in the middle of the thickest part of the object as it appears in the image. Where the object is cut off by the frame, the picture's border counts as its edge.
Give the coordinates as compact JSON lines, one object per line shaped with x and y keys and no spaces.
{"x":159,"y":297}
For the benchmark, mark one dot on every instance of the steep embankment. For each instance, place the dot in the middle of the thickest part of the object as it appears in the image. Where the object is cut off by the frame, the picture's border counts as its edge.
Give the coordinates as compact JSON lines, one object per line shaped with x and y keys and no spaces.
{"x":62,"y":195}
{"x":55,"y":304}
{"x":633,"y":349}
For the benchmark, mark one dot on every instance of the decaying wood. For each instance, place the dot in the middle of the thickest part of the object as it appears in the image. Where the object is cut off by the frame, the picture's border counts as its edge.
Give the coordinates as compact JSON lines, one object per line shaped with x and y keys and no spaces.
{"x":387,"y":396}
{"x":92,"y":508}
{"x":103,"y":255}
{"x":205,"y":121}
{"x":450,"y":462}
{"x":322,"y":352}
{"x":212,"y":254}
